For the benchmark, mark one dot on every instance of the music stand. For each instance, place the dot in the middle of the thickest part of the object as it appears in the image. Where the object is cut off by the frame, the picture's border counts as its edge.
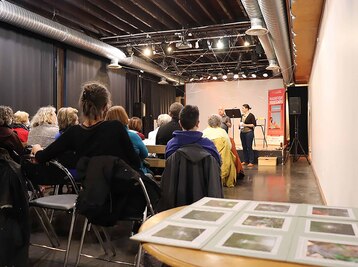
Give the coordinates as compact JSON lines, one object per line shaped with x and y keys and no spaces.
{"x":232,"y":114}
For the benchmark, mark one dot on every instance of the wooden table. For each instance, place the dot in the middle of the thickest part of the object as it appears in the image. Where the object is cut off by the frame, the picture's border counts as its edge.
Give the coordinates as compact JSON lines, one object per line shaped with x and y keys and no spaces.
{"x":182,"y":257}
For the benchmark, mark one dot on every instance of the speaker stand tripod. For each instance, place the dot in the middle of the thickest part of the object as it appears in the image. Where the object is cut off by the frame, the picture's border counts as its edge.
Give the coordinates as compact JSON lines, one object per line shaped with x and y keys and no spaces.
{"x":294,"y":145}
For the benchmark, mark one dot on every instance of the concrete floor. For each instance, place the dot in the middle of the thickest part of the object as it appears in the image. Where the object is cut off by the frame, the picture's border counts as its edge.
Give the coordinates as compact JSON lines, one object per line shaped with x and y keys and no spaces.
{"x":293,"y":182}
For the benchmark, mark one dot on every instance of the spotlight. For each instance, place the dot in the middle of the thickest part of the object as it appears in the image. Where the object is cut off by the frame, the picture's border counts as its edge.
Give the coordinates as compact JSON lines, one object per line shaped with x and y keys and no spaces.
{"x":224,"y":77}
{"x":142,"y":71}
{"x":246,"y":43}
{"x":215,"y":78}
{"x":208,"y":78}
{"x":265,"y":75}
{"x":197,"y":44}
{"x":220,"y":44}
{"x":244,"y":76}
{"x":147,"y":52}
{"x":253,"y":75}
{"x":201,"y":78}
{"x":236,"y":76}
{"x":191,"y":79}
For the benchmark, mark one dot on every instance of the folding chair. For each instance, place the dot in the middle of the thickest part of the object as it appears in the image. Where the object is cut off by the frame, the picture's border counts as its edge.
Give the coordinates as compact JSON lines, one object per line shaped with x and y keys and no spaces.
{"x":51,"y":173}
{"x":142,"y":216}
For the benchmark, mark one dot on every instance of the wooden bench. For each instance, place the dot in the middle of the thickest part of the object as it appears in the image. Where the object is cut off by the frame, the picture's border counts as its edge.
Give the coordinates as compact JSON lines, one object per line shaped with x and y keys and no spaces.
{"x":159,"y":150}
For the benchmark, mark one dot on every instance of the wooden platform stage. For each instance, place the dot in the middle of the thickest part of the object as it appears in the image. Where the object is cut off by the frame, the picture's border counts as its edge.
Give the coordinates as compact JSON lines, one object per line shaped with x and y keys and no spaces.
{"x":263,"y":151}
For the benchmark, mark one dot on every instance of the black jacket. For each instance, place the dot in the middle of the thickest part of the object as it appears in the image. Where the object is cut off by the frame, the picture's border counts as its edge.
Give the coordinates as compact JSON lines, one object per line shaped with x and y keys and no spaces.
{"x":165,"y":132}
{"x":14,"y":214}
{"x":111,"y":191}
{"x":190,"y":174}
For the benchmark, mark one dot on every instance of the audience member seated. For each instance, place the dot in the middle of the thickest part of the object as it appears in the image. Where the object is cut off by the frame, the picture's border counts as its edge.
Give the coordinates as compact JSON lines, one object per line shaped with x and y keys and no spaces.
{"x":20,"y":125}
{"x":239,"y":170}
{"x":223,"y":144}
{"x":8,"y":138}
{"x":94,"y":137}
{"x":118,"y":113}
{"x":43,"y":127}
{"x":67,"y":117}
{"x":189,"y":121}
{"x":165,"y":133}
{"x":135,"y":124}
{"x":162,"y":120}
{"x":192,"y":169}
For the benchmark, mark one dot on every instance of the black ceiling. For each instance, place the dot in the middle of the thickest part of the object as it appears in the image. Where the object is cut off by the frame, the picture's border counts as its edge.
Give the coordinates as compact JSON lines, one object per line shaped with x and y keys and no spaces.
{"x":133,"y":25}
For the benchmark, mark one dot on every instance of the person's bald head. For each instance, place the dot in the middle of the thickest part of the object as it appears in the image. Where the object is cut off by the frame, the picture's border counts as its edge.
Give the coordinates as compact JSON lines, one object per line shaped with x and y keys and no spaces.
{"x":221,"y":111}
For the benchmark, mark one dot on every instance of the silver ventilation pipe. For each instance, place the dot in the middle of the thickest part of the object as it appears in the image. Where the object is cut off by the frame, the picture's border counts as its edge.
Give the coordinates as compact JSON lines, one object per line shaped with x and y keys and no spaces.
{"x":274,"y":15}
{"x":253,"y":11}
{"x":30,"y":21}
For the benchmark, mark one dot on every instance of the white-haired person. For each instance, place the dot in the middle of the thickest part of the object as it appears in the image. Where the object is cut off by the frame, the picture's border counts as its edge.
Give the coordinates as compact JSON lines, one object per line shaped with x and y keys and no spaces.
{"x":20,"y":125}
{"x":44,"y":127}
{"x":8,"y":139}
{"x":162,"y":120}
{"x":222,"y":142}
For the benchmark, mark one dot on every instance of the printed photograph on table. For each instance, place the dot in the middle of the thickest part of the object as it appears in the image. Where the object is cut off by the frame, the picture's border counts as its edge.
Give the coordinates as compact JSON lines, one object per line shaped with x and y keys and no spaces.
{"x":177,"y":234}
{"x":331,"y":212}
{"x":327,"y":252}
{"x":332,"y":228}
{"x":235,"y":240}
{"x":197,"y":215}
{"x":220,"y":203}
{"x":264,"y":221}
{"x":270,"y":207}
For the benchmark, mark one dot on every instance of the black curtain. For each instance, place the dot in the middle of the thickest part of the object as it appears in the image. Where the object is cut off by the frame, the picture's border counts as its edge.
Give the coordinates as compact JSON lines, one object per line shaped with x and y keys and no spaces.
{"x":26,"y":71}
{"x":146,"y":92}
{"x":82,"y":67}
{"x":302,"y":119}
{"x":162,"y":97}
{"x":132,"y":92}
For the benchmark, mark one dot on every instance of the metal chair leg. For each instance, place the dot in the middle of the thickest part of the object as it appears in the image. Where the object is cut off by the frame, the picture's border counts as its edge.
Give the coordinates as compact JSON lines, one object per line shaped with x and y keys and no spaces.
{"x":46,"y":230}
{"x":108,"y":240}
{"x":85,"y":225}
{"x":70,"y":236}
{"x":99,"y":237}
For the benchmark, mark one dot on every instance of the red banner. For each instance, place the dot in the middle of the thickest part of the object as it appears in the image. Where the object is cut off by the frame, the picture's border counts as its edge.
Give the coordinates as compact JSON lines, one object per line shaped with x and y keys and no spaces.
{"x":276,"y":112}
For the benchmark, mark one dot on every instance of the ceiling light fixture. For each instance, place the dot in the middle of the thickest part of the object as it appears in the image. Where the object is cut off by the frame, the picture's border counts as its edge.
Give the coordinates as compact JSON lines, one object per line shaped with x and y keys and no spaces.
{"x":147,"y":51}
{"x":246,"y":43}
{"x":114,"y":64}
{"x":224,"y":77}
{"x":191,"y":79}
{"x":244,"y":76}
{"x":257,"y":28}
{"x":215,"y":78}
{"x":236,"y":76}
{"x":220,"y":44}
{"x":253,"y":75}
{"x":197,"y":44}
{"x":208,"y":78}
{"x":272,"y":65}
{"x":162,"y":81}
{"x":265,"y":75}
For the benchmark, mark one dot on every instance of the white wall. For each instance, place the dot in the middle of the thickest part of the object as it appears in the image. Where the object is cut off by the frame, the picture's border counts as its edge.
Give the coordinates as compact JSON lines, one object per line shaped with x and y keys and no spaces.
{"x":333,"y":90}
{"x":210,"y":96}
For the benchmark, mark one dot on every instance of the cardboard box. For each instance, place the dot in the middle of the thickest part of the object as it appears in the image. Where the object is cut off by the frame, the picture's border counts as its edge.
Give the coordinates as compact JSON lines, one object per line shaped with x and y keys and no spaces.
{"x":267,"y":161}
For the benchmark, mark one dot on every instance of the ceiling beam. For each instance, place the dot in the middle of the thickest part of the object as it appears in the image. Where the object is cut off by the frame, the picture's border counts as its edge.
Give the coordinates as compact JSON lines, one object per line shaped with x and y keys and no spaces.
{"x":203,"y":7}
{"x":190,"y":12}
{"x":156,"y":13}
{"x":227,"y":12}
{"x":171,"y":10}
{"x":140,"y":15}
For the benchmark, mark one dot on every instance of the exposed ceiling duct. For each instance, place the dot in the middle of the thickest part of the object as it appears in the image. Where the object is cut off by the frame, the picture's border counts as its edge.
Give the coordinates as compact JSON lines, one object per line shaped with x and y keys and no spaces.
{"x":253,"y":11}
{"x":30,"y":21}
{"x":275,"y":19}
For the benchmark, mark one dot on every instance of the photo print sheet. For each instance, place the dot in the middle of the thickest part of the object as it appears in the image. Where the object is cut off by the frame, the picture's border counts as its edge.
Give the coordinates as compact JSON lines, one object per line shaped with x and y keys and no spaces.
{"x":202,"y":216}
{"x":334,"y":228}
{"x":177,"y":234}
{"x":263,"y":221}
{"x":248,"y":243}
{"x":220,"y":203}
{"x":273,"y":208}
{"x":326,"y":252}
{"x":331,"y":212}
